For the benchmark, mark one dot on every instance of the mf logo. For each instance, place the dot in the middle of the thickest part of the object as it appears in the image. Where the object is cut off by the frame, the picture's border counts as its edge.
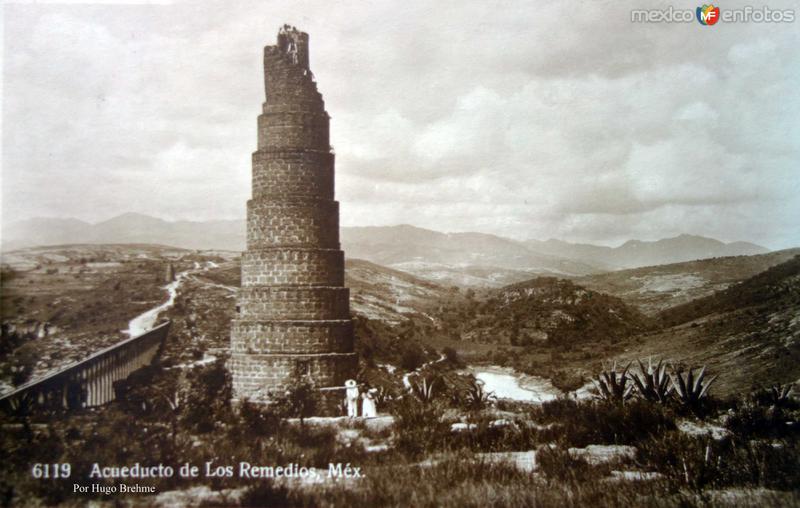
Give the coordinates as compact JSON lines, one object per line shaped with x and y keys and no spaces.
{"x":707,"y":14}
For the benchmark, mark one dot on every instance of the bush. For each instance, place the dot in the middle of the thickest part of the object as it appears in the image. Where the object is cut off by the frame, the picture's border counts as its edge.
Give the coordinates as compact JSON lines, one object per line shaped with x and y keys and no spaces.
{"x":299,"y":401}
{"x":700,"y":462}
{"x":566,"y":380}
{"x":419,"y":426}
{"x":21,"y":363}
{"x":451,"y":355}
{"x":412,"y":357}
{"x":557,"y":464}
{"x":207,"y":401}
{"x":594,"y":422}
{"x":258,"y":420}
{"x":750,"y":419}
{"x":266,"y":493}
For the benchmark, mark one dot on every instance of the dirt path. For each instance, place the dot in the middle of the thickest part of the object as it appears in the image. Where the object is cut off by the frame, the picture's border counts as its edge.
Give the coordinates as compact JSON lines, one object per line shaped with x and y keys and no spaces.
{"x":145,"y":321}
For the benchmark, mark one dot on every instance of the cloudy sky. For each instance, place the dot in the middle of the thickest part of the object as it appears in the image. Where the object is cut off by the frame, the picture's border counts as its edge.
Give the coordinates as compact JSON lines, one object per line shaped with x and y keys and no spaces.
{"x":529,"y":120}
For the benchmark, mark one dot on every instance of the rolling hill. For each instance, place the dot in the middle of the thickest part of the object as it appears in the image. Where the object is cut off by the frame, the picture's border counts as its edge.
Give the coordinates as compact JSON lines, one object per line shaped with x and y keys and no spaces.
{"x":543,"y":312}
{"x":748,"y":333}
{"x":655,"y":288}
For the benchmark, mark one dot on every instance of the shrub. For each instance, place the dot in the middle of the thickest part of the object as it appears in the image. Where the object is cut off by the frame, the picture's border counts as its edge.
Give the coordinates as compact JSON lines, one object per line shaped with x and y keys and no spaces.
{"x":419,"y":426}
{"x":22,"y":362}
{"x":207,"y":399}
{"x":566,"y":380}
{"x":750,"y":419}
{"x":266,"y":493}
{"x":557,"y":464}
{"x":258,"y":420}
{"x":596,"y":422}
{"x":701,"y":462}
{"x":412,"y":357}
{"x":776,"y":395}
{"x":486,"y":437}
{"x":451,"y":355}
{"x":299,"y":401}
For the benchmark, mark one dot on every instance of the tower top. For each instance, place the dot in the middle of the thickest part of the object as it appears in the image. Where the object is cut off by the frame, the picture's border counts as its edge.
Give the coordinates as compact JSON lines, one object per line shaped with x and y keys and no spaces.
{"x":294,"y":44}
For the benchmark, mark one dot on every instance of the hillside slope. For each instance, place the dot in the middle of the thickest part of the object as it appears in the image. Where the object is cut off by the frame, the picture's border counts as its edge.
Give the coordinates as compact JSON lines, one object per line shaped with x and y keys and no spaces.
{"x":748,"y":333}
{"x":545,"y":311}
{"x":655,"y":288}
{"x":392,"y":296}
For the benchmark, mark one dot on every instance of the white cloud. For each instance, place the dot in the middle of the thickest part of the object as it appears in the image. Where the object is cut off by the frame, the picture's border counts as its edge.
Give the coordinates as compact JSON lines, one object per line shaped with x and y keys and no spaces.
{"x":449,"y":115}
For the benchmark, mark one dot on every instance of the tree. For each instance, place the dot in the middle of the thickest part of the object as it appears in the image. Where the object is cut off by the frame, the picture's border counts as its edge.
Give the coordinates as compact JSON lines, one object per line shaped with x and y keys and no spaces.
{"x":300,"y":400}
{"x":452,"y":356}
{"x":22,"y":362}
{"x":412,"y":357}
{"x":207,"y":399}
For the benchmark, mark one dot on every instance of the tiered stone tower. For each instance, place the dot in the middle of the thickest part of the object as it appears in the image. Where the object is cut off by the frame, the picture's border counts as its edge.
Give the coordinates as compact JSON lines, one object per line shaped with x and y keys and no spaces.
{"x":294,"y":312}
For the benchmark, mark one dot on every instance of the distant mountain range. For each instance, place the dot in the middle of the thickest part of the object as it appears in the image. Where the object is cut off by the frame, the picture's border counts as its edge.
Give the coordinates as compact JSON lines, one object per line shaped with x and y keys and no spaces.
{"x":636,"y":253}
{"x":126,"y":228}
{"x":484,"y":259}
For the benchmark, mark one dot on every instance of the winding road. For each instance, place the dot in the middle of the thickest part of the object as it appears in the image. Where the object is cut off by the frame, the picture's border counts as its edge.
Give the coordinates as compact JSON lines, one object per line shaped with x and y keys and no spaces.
{"x":147,"y":320}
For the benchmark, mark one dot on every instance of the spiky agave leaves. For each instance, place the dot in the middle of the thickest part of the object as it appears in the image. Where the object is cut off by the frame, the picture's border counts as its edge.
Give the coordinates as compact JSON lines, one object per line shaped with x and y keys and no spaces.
{"x":613,"y":386}
{"x":691,"y":389}
{"x":475,"y":395}
{"x":779,"y":394}
{"x":653,"y":383}
{"x":424,"y":390}
{"x":22,"y":405}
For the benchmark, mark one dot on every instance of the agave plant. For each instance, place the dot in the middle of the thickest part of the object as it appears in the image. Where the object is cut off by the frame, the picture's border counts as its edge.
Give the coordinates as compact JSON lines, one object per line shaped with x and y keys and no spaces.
{"x":691,"y":389}
{"x":653,"y":383}
{"x":776,"y":395}
{"x":780,"y":393}
{"x":382,"y":395}
{"x":613,"y":386}
{"x":475,"y":396}
{"x":424,"y":390}
{"x":22,"y":405}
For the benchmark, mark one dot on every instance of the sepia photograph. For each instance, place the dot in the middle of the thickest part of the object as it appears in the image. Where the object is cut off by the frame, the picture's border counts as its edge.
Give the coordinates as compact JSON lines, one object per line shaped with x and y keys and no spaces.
{"x":473,"y":253}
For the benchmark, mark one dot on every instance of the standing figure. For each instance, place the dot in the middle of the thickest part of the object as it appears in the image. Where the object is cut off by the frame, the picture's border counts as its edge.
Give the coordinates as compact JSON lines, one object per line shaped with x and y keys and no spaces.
{"x":351,"y":397}
{"x":368,"y":407}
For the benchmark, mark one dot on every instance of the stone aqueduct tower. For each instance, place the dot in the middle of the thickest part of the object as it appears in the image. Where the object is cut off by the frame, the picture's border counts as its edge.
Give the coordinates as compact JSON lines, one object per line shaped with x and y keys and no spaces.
{"x":294,"y":315}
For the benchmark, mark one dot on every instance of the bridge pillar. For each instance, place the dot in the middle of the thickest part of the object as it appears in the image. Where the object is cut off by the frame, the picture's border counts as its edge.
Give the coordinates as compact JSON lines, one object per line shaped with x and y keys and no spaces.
{"x":107,"y":376}
{"x":92,"y":386}
{"x":103,"y":382}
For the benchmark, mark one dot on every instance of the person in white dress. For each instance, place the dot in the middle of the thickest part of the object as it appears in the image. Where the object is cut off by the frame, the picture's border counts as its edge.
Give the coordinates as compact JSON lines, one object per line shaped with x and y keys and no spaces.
{"x":368,"y":404}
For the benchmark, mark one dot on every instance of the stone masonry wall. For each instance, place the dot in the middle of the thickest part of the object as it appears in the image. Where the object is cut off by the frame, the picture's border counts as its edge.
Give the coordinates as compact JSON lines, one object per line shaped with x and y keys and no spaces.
{"x":307,"y":337}
{"x":294,"y":316}
{"x":254,"y":371}
{"x":293,"y":223}
{"x":292,"y":267}
{"x":302,"y":303}
{"x":290,"y":174}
